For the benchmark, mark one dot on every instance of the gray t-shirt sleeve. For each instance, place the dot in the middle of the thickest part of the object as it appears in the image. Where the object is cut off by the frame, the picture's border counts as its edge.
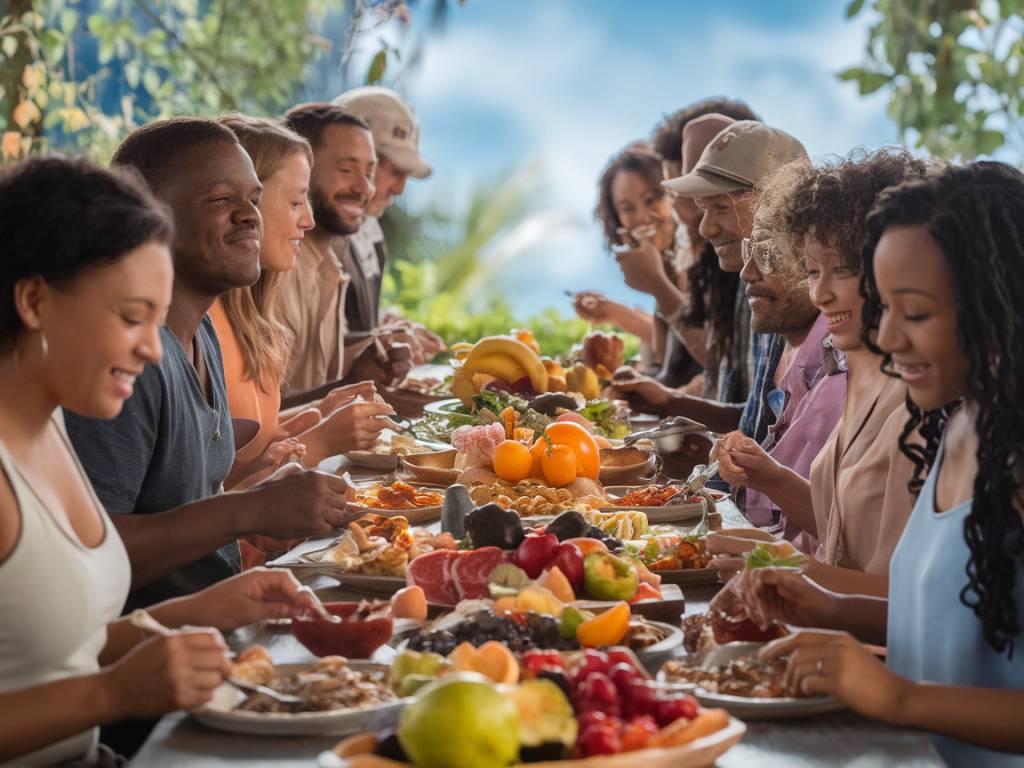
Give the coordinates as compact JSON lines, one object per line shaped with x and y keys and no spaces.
{"x":116,"y":453}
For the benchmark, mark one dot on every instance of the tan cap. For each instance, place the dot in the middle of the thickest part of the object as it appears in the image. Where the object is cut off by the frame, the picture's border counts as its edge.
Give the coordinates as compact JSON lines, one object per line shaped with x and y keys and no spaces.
{"x":396,"y":133}
{"x":736,"y":159}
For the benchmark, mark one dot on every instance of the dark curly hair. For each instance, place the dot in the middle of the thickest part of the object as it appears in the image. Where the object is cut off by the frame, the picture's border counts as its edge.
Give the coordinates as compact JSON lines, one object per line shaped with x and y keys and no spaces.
{"x":60,"y":217}
{"x":667,"y":138}
{"x":831,"y":200}
{"x":636,"y":158}
{"x":974,"y":215}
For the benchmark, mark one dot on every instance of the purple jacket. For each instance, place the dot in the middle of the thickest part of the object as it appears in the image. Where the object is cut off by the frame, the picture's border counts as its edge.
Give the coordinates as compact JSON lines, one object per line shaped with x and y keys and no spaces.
{"x":814,"y":389}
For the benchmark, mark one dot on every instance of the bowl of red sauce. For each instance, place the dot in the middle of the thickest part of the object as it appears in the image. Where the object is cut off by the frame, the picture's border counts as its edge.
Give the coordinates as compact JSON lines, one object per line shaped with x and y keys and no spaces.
{"x":364,"y":627}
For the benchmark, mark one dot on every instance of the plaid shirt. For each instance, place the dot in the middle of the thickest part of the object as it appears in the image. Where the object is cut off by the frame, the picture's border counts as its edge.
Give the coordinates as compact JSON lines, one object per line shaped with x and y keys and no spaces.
{"x":765,"y":353}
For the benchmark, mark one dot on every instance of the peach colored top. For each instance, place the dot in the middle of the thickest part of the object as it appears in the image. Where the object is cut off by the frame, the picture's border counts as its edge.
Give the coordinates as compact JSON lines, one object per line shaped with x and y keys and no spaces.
{"x":246,"y":399}
{"x":859,"y":491}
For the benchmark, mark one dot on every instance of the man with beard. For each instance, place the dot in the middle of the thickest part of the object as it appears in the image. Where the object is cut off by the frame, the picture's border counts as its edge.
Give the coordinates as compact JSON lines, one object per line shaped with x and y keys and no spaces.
{"x":311,"y":302}
{"x":159,"y":466}
{"x":396,"y":138}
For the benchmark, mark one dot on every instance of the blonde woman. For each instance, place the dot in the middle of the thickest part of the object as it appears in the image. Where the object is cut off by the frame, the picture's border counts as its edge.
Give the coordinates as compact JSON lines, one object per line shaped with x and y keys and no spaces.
{"x":255,"y":344}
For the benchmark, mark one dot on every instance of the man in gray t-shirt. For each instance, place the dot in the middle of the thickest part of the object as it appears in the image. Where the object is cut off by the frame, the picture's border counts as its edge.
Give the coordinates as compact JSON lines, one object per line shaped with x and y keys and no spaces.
{"x":159,"y":466}
{"x":168,"y":447}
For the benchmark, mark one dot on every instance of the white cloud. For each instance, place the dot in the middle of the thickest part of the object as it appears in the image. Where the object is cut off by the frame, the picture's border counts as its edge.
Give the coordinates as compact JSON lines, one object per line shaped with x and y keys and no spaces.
{"x":576,"y":92}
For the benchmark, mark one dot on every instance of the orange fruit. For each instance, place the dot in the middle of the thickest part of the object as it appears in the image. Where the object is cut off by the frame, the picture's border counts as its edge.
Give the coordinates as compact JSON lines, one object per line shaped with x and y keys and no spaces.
{"x":512,"y":461}
{"x":409,"y":603}
{"x":558,"y":465}
{"x":554,"y":580}
{"x":588,"y":455}
{"x":606,"y":628}
{"x":491,"y":659}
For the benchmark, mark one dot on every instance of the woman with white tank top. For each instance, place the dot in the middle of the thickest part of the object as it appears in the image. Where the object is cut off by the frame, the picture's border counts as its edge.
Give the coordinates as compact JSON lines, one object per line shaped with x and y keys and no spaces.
{"x":85,"y":282}
{"x":944,"y":289}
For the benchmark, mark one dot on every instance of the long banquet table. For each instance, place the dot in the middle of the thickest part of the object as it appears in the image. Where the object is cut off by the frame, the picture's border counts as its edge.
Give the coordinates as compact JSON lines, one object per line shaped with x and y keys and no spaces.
{"x":839,"y":739}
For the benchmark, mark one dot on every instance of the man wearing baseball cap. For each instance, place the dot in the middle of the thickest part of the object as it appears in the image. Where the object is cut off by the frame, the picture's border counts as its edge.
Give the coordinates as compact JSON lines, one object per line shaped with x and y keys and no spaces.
{"x":396,"y":138}
{"x":723,"y":183}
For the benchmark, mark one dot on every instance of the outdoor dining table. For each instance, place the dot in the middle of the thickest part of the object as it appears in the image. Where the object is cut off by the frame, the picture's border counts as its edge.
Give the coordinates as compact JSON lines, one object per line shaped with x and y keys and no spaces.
{"x":841,"y":738}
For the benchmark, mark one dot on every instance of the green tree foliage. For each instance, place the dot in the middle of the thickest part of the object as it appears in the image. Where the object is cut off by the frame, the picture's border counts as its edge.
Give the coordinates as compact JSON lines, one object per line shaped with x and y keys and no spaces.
{"x":954,"y":70}
{"x":155,"y":58}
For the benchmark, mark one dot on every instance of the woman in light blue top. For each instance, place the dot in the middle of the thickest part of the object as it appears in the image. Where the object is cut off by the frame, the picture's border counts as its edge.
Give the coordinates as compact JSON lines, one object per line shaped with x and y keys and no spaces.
{"x":944,"y":298}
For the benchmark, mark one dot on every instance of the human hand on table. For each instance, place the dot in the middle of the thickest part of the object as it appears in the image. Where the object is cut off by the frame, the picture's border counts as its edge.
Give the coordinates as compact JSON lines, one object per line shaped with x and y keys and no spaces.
{"x":643,"y":393}
{"x":354,"y":426}
{"x":827,"y":663}
{"x":786,"y":595}
{"x":164,"y":674}
{"x":293,"y":503}
{"x":348,"y":393}
{"x":257,"y":594}
{"x":742,"y":462}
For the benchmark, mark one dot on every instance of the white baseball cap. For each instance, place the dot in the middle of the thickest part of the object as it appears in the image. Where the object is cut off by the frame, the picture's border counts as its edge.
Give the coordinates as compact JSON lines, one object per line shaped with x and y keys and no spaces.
{"x":396,"y":132}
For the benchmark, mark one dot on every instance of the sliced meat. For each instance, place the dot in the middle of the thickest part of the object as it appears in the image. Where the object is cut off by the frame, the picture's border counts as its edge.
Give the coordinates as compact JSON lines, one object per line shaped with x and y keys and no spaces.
{"x":433,"y":572}
{"x":471,"y":570}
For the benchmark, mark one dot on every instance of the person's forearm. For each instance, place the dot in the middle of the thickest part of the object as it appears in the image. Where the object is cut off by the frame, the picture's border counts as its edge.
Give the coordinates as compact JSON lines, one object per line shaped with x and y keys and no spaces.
{"x":45,"y":714}
{"x":863,"y":616}
{"x":987,"y":717}
{"x":634,"y":321}
{"x":847,"y":581}
{"x":307,"y":396}
{"x":162,"y":543}
{"x":791,"y":493}
{"x":716,"y":416}
{"x":668,"y":297}
{"x":659,"y":331}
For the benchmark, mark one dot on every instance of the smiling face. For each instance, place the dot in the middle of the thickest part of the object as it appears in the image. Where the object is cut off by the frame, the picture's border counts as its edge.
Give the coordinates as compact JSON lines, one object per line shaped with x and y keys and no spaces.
{"x":344,"y":165}
{"x":103,"y":328}
{"x":389,"y":182}
{"x":725,"y":221}
{"x":835,"y":290}
{"x":636,"y":204}
{"x":287,"y":214}
{"x":214,"y":195}
{"x":778,"y":301}
{"x":918,"y":327}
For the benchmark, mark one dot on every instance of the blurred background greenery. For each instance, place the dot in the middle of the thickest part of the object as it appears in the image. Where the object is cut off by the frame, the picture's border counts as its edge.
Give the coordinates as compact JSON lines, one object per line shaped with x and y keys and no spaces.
{"x":77,"y":75}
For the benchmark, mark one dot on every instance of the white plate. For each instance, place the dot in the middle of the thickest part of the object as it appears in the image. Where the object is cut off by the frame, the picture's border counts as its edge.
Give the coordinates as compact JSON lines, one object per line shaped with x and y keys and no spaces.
{"x":442,"y":407}
{"x":220,"y":714}
{"x":697,"y":754}
{"x":751,"y":708}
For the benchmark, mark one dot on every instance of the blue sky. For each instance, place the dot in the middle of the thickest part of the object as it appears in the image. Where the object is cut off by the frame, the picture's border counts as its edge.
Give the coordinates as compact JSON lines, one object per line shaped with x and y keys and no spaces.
{"x":561,"y":85}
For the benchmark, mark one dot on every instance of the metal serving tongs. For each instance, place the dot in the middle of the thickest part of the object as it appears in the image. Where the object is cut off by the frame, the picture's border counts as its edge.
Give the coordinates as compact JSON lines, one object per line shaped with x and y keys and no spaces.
{"x":695,"y":486}
{"x":668,"y":434}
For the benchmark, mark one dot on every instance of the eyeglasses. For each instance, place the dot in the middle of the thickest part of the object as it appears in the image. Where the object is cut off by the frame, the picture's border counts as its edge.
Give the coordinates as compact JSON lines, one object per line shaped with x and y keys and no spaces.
{"x":762,"y":252}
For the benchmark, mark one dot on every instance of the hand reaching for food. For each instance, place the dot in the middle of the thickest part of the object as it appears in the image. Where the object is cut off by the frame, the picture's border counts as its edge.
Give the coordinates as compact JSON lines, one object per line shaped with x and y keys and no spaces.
{"x":344,"y":395}
{"x":784,"y":595}
{"x":257,"y":594}
{"x":826,"y":663}
{"x":641,"y":392}
{"x":742,"y":462}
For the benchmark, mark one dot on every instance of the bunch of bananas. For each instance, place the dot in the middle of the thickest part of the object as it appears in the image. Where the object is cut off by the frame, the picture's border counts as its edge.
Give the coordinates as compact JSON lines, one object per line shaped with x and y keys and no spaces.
{"x":497,"y":357}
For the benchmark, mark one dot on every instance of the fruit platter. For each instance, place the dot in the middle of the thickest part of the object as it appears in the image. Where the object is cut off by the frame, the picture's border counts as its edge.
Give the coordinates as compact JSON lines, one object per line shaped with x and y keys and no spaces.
{"x":545,"y":708}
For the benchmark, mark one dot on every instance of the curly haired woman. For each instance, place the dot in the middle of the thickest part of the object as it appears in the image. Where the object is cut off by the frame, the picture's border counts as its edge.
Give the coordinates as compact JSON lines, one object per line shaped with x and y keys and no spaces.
{"x":943,"y":281}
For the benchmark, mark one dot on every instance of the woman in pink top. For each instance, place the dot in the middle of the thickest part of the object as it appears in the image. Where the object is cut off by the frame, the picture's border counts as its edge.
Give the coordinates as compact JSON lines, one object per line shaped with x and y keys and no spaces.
{"x":254,"y":343}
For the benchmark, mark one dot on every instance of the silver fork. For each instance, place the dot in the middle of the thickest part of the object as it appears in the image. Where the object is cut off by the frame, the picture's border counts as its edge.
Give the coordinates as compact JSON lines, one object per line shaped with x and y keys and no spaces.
{"x":143,"y":620}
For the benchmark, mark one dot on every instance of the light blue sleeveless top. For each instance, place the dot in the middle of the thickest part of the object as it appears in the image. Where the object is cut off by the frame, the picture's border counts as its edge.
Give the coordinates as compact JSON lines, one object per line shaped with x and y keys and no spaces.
{"x":932,"y":635}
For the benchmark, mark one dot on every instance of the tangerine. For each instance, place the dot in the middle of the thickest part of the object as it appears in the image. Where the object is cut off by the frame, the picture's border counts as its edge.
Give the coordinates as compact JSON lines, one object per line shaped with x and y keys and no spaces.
{"x":512,"y":461}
